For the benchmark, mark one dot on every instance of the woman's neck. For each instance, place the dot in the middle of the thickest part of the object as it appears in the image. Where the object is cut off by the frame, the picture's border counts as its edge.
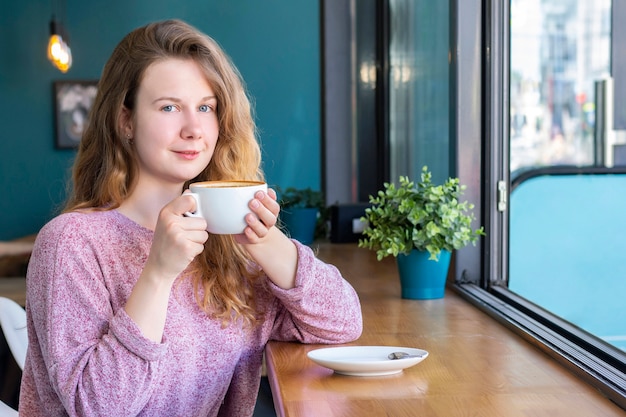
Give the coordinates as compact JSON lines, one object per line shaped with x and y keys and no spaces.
{"x":144,"y":203}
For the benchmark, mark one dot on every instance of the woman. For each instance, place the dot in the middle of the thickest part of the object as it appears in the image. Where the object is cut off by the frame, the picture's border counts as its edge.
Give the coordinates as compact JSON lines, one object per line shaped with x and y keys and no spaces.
{"x":133,"y":308}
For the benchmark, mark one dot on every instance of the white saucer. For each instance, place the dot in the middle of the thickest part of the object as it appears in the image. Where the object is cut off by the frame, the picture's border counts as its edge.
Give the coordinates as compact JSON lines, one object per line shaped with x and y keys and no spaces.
{"x":365,"y":360}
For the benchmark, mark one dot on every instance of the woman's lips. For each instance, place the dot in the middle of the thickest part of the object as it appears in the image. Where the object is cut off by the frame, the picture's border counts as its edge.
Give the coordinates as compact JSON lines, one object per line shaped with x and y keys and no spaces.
{"x":188,"y":154}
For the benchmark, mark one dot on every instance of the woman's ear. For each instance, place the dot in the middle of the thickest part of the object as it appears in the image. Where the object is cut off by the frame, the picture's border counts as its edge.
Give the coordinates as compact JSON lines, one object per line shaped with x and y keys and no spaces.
{"x":126,"y":123}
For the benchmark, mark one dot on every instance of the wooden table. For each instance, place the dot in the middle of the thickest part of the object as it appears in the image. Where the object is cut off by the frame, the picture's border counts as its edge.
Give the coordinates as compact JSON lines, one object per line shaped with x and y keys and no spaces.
{"x":476,"y":367}
{"x":14,"y":288}
{"x":14,"y":257}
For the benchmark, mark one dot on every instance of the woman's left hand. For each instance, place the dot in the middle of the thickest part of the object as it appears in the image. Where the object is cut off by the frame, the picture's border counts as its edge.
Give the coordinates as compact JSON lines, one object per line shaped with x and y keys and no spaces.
{"x":275,"y":253}
{"x":266,"y":208}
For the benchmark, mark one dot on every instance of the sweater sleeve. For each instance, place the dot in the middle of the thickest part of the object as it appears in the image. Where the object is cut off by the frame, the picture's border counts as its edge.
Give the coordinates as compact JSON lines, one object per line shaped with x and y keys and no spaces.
{"x":97,"y":360}
{"x":322,"y":308}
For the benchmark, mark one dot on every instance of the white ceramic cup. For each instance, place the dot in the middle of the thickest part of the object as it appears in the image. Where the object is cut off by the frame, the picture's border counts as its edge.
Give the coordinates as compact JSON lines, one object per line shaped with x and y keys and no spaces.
{"x":224,"y":204}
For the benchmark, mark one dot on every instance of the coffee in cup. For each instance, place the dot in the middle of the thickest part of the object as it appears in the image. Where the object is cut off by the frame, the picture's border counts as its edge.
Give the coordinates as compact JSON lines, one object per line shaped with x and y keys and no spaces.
{"x":224,"y":204}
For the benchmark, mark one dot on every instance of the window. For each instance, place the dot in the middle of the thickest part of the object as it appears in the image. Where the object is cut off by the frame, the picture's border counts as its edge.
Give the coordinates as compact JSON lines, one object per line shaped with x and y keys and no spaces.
{"x":536,"y":104}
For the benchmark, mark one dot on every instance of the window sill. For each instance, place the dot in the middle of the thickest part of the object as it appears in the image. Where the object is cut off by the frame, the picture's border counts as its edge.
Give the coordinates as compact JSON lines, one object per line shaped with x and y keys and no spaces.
{"x":591,"y":359}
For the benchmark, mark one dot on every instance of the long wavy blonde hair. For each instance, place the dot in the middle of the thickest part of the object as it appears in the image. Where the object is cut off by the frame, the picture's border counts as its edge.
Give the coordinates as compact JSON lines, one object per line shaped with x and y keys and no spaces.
{"x":106,"y":164}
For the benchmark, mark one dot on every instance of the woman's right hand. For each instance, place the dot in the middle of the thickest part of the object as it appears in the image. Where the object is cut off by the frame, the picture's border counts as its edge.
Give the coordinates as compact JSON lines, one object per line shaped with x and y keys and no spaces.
{"x":177,"y":239}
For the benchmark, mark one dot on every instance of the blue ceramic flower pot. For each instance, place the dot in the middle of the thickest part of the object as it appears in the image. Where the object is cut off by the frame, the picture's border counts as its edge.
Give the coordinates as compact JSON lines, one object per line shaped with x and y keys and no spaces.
{"x":421,"y":278}
{"x":300,"y":223}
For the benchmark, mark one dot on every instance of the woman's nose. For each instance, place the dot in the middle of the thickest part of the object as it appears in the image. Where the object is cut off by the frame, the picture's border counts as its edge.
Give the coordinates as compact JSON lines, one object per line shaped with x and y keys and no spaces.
{"x":192,"y":127}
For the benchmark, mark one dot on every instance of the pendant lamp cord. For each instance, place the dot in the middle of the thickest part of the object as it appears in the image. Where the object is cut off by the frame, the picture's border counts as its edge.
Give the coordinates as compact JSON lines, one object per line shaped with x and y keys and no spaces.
{"x":58,"y":16}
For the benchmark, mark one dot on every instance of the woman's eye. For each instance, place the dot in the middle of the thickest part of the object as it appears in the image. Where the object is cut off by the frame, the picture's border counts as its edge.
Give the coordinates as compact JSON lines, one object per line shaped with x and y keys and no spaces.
{"x":168,"y":108}
{"x":204,"y":108}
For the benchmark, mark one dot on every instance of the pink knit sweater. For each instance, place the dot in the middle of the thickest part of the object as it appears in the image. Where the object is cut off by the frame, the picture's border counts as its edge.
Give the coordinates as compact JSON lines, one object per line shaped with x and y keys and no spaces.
{"x":86,"y":357}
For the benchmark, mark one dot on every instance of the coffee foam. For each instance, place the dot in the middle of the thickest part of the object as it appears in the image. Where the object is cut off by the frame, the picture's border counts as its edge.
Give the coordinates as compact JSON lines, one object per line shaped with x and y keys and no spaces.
{"x":227,"y":184}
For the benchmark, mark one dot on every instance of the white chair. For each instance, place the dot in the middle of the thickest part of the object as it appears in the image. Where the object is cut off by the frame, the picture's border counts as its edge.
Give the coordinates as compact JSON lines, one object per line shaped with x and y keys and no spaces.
{"x":6,"y":411}
{"x":13,"y":323}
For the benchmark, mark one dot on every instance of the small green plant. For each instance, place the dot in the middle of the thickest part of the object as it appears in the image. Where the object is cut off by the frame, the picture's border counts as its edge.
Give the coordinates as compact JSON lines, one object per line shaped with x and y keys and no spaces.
{"x":292,"y":198}
{"x":301,"y":197}
{"x":425,"y":216}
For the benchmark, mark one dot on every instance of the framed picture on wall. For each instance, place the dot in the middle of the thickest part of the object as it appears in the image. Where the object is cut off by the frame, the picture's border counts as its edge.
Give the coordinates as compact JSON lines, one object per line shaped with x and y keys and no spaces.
{"x":73,"y":101}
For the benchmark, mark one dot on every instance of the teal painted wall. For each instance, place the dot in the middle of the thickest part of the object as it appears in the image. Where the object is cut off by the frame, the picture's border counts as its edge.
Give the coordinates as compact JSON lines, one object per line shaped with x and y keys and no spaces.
{"x":431,"y":90}
{"x":274,"y":43}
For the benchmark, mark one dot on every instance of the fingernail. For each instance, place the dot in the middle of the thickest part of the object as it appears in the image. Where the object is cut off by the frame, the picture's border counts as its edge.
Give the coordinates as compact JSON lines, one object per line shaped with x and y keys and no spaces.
{"x":255,"y":204}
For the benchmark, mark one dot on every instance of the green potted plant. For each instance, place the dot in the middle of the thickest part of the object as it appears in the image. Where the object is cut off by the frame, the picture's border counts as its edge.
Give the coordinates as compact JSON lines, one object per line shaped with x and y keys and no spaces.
{"x":303,"y":213}
{"x":420,"y":222}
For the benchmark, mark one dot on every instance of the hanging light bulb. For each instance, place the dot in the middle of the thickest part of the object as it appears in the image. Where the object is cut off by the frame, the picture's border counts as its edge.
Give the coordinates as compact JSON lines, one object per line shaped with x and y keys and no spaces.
{"x":59,"y":52}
